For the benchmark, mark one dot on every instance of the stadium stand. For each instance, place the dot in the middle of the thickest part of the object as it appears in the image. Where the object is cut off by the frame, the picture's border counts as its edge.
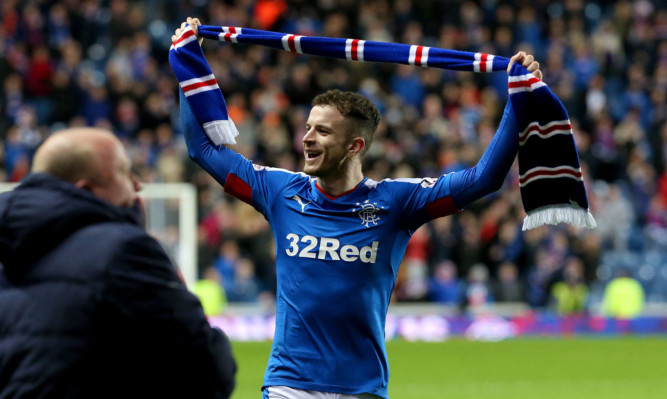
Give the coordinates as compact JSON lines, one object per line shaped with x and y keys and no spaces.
{"x":103,"y":63}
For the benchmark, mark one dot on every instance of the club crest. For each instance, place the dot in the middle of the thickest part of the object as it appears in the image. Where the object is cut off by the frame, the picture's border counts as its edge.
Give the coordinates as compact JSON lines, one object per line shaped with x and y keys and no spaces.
{"x":367,"y":213}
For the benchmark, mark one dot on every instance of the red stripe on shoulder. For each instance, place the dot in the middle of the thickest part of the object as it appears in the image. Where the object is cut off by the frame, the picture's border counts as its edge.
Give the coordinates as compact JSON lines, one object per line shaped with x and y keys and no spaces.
{"x":238,"y":188}
{"x":442,"y":207}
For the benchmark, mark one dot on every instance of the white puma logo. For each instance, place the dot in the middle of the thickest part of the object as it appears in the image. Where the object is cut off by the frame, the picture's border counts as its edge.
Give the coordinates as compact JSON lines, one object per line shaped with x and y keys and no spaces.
{"x":300,"y":201}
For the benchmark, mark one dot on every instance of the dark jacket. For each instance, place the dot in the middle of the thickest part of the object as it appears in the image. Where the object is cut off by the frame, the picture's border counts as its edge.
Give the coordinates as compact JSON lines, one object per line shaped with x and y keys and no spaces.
{"x":91,"y":306}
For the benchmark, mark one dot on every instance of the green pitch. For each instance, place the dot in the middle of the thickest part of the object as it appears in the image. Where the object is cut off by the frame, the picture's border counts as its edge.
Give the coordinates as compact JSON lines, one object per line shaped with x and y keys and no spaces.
{"x":581,"y":368}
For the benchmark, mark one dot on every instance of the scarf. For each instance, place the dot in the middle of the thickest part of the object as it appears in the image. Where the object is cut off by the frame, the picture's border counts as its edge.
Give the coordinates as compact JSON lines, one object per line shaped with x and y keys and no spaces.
{"x":550,"y":177}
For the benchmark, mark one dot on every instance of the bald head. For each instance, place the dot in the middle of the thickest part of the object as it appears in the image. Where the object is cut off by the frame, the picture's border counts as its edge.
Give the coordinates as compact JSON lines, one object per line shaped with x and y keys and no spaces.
{"x":73,"y":154}
{"x":92,"y":159}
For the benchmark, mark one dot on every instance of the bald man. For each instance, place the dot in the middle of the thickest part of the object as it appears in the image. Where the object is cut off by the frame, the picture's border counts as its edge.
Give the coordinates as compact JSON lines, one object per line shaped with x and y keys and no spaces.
{"x":90,"y":304}
{"x":93,"y":160}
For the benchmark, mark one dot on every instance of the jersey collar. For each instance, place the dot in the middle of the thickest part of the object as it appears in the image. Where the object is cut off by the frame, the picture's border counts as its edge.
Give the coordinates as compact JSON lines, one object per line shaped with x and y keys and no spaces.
{"x":335,"y":197}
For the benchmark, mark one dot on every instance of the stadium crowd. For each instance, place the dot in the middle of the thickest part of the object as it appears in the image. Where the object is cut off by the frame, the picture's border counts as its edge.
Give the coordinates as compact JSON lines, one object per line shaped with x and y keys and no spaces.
{"x":104,"y":63}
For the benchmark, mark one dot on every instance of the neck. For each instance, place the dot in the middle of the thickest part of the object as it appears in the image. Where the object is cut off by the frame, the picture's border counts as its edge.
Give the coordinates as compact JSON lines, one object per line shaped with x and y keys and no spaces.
{"x":346,"y":181}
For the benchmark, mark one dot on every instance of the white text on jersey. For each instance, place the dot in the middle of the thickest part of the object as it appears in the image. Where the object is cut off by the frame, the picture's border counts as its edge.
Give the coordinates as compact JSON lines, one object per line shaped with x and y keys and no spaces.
{"x":329,"y":249}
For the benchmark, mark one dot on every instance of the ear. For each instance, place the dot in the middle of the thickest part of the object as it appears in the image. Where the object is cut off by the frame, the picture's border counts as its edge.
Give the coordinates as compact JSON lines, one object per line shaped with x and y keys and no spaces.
{"x":84,"y":184}
{"x":355,"y":147}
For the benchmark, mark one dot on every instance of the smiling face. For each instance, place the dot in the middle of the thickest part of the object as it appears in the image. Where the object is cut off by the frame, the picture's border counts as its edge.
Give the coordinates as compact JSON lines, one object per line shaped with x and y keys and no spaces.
{"x":327,"y":145}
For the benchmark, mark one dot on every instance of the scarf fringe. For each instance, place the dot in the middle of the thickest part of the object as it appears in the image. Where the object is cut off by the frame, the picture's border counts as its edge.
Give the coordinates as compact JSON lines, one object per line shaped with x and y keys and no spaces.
{"x":561,"y":213}
{"x":221,"y":131}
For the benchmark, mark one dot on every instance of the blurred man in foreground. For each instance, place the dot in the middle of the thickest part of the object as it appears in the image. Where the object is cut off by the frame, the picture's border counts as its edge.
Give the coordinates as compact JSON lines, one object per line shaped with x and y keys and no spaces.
{"x":90,"y":304}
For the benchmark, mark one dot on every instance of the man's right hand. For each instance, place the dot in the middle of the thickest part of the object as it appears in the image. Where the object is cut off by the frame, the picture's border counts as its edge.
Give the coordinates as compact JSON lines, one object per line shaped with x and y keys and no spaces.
{"x":194,"y":23}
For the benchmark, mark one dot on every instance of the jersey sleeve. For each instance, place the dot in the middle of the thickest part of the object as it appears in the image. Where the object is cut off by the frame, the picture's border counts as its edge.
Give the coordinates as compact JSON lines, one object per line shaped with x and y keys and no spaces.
{"x":426,"y":199}
{"x":253,"y":184}
{"x":422,"y":199}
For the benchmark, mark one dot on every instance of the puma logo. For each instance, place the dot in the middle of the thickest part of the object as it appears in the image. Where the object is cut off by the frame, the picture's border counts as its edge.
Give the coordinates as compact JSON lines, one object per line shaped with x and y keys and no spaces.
{"x":300,"y":201}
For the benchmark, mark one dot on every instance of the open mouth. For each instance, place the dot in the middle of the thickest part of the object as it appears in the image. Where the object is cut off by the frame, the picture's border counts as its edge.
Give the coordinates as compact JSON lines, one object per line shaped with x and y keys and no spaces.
{"x":310,"y":156}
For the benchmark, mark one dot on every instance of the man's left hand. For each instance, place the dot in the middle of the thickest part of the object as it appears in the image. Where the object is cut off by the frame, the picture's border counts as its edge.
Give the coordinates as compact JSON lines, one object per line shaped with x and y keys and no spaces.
{"x":528,"y":61}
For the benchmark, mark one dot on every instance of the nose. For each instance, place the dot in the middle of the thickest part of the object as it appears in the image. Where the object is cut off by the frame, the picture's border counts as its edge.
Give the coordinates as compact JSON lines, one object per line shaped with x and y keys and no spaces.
{"x":309,"y":137}
{"x":136,"y":184}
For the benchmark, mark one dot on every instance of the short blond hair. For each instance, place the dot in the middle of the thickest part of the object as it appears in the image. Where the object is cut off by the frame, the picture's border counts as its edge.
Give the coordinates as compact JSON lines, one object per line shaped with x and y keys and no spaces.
{"x":353,"y":106}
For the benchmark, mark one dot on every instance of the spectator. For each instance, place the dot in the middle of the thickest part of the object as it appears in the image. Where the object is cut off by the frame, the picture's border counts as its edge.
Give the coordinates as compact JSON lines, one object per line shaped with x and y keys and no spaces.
{"x":90,"y":305}
{"x":445,"y":287}
{"x":539,"y":278}
{"x":569,"y":296}
{"x":407,"y":85}
{"x":226,"y":264}
{"x":210,"y":292}
{"x":623,"y":297}
{"x":509,"y":288}
{"x":478,"y":288}
{"x":245,"y":285}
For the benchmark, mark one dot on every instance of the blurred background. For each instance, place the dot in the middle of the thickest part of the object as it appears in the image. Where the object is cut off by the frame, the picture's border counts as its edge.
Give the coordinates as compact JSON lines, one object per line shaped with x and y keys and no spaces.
{"x":104,"y":63}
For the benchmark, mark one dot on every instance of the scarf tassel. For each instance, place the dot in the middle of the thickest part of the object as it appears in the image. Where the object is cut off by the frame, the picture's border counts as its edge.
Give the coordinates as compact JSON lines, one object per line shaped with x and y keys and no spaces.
{"x":555,"y":214}
{"x":221,"y":131}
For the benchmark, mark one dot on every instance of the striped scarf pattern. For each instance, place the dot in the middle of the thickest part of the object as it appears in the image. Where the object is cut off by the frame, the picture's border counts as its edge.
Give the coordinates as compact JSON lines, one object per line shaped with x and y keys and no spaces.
{"x":551,"y":181}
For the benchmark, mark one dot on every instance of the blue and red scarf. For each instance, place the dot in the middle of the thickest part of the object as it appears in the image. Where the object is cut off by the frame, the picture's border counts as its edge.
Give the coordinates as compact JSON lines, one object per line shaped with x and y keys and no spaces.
{"x":551,"y":182}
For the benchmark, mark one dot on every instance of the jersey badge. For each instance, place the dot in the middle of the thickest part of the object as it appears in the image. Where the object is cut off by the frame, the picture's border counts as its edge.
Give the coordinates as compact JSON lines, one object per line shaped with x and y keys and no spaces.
{"x":367,"y":212}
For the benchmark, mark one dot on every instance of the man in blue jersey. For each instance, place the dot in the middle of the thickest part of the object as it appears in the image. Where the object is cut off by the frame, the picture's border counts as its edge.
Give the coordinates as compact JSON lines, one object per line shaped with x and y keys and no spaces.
{"x":340,"y":238}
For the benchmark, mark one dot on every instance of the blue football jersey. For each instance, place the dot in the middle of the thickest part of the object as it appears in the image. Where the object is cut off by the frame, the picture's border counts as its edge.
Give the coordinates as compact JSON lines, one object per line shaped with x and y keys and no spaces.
{"x":337,"y":259}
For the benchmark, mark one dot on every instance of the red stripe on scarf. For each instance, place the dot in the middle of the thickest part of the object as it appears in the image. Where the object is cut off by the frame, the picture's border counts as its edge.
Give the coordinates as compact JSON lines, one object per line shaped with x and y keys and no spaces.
{"x":523,"y":83}
{"x":184,"y":36}
{"x":290,"y":43}
{"x":576,"y":174}
{"x":482,"y":64}
{"x":199,"y":84}
{"x":354,"y":49}
{"x":535,"y":128}
{"x":418,"y":55}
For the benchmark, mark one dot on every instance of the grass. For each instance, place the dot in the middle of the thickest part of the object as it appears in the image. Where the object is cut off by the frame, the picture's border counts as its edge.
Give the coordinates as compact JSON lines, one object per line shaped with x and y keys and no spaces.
{"x":572,"y":368}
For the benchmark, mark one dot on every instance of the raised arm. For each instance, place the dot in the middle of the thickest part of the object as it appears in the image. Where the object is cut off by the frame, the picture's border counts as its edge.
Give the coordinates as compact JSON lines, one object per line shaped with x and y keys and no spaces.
{"x":488,"y":175}
{"x":217,"y":160}
{"x":208,"y":128}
